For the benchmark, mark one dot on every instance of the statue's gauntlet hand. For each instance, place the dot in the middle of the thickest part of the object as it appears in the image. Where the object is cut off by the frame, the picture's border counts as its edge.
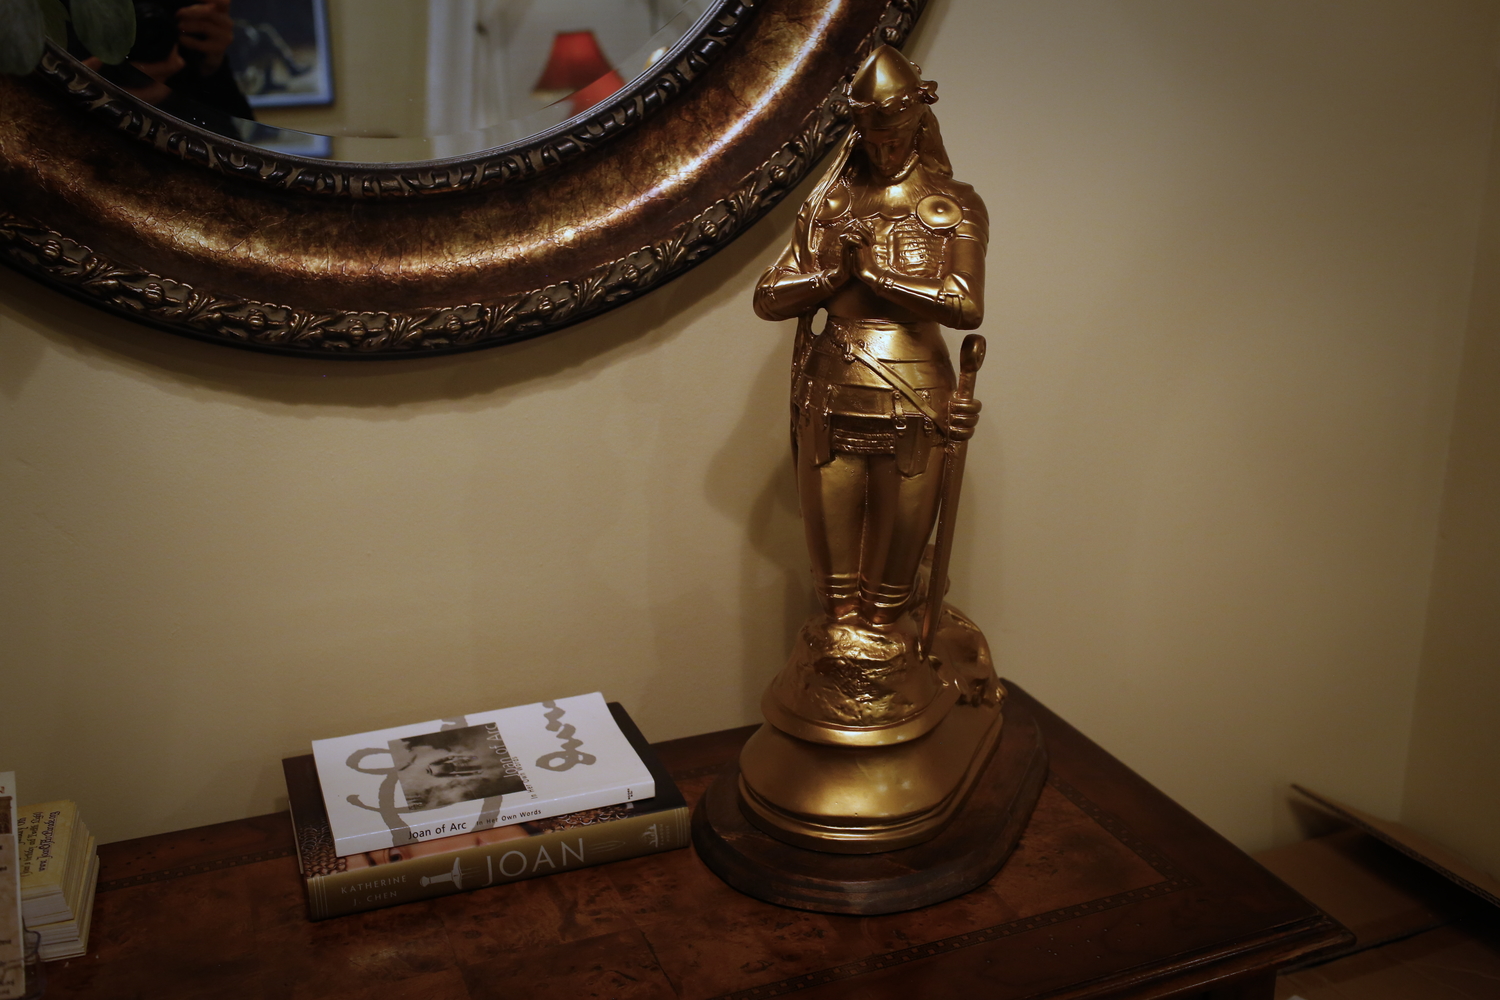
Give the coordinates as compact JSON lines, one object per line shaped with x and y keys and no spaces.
{"x":963,"y":415}
{"x":956,"y":300}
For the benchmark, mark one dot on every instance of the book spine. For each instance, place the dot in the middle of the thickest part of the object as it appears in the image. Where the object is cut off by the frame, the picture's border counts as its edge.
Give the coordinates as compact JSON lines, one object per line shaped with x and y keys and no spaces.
{"x":495,"y":864}
{"x":79,"y":852}
{"x":559,"y":806}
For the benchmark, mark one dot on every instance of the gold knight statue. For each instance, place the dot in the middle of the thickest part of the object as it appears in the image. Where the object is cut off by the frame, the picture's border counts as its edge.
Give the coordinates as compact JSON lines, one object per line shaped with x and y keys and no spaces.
{"x":891,"y":247}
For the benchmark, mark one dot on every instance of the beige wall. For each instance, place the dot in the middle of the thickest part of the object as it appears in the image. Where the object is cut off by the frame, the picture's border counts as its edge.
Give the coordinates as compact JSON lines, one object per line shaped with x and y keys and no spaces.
{"x":1230,"y":269}
{"x":1453,"y":773}
{"x":1232,"y":259}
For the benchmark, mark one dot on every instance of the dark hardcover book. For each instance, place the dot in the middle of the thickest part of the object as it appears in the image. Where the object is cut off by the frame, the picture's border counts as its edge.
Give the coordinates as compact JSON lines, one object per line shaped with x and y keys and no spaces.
{"x":336,"y":886}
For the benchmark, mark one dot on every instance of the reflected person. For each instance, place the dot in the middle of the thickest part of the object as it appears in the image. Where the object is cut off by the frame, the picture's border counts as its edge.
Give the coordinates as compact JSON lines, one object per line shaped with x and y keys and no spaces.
{"x":179,"y":62}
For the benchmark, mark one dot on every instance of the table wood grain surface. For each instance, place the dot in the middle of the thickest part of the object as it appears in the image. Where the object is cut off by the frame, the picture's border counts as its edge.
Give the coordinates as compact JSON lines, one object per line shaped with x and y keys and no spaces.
{"x":1114,"y":891}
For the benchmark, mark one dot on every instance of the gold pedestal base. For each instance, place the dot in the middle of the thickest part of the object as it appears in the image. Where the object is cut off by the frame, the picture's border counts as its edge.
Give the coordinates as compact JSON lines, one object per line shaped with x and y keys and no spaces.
{"x":966,"y":852}
{"x":827,"y":786}
{"x":864,"y":800}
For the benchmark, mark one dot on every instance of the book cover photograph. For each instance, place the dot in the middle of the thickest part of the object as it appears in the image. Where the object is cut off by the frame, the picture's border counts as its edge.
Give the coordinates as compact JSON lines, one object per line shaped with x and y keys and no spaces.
{"x":337,"y":885}
{"x":454,"y":765}
{"x":469,"y":774}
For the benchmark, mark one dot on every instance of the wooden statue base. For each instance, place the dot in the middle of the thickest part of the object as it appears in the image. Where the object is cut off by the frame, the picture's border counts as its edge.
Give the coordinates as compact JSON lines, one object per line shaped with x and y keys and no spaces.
{"x":967,"y":853}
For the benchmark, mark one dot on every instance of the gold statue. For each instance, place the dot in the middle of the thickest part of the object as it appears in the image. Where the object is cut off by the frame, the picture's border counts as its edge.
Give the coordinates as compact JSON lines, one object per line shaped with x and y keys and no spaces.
{"x":888,"y":707}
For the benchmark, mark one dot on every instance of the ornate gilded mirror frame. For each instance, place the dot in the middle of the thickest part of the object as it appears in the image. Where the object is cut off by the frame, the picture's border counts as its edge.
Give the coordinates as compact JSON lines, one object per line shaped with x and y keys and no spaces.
{"x":109,"y":200}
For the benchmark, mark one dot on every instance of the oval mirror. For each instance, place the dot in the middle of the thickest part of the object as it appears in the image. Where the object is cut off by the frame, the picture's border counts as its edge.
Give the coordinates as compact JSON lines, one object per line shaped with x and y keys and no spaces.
{"x":530,"y":165}
{"x":396,"y":81}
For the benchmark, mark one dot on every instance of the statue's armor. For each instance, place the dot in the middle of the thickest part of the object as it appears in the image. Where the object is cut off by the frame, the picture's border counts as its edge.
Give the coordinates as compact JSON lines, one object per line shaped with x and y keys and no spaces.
{"x":877,"y":382}
{"x":872,"y":392}
{"x":850,"y":405}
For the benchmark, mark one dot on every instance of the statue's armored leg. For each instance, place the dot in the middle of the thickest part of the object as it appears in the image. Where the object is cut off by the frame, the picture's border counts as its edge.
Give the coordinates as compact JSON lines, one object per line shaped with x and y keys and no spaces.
{"x":846,"y":670}
{"x":902,"y":510}
{"x":832,"y":498}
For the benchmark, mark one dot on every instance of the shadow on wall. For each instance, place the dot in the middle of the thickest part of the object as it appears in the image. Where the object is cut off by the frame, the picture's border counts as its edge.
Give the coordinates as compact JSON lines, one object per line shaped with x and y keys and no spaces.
{"x":193,"y":368}
{"x":741,"y":469}
{"x":773,"y":533}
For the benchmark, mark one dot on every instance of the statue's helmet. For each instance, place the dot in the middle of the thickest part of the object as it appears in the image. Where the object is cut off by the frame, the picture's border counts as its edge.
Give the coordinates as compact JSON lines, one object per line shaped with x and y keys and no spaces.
{"x":888,"y":92}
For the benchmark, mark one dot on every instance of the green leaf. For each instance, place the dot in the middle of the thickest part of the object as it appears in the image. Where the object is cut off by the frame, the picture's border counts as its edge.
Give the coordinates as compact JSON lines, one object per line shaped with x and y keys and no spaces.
{"x":21,"y":39}
{"x":105,"y":27}
{"x":55,"y":16}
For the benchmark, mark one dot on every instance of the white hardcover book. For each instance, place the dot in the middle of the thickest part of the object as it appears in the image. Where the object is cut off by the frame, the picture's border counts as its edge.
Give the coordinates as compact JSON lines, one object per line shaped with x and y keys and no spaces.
{"x":12,"y":945}
{"x":434,"y":779}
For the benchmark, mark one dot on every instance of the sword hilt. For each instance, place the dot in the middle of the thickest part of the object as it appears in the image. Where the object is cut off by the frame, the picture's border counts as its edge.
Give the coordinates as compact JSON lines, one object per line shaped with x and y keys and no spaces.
{"x":970,"y":358}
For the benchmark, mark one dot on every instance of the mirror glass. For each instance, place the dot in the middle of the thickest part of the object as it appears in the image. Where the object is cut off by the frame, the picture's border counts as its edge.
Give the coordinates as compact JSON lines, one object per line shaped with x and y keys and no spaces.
{"x":390,"y":81}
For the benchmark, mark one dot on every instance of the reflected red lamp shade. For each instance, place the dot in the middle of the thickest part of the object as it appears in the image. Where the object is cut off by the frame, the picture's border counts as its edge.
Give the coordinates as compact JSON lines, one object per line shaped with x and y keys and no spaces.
{"x":577,"y":69}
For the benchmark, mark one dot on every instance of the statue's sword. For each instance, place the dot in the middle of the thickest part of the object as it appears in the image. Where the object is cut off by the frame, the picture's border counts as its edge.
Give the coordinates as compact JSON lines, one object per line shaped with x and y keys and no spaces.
{"x":970,"y":357}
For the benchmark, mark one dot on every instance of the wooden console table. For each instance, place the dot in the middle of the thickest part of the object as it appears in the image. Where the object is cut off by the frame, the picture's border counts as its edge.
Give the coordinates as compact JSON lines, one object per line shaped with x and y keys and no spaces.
{"x":1114,"y":891}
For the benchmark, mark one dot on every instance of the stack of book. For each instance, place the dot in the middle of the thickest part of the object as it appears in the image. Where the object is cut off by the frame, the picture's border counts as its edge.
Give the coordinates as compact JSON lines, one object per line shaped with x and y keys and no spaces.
{"x":456,"y":804}
{"x":59,"y":872}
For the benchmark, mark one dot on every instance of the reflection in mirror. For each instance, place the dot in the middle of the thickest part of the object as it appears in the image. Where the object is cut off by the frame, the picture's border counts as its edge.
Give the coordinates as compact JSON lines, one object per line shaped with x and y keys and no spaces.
{"x":389,"y":81}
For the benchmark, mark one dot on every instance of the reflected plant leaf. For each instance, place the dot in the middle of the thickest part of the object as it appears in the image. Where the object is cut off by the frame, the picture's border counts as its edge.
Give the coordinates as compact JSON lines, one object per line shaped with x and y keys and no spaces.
{"x":55,"y":19}
{"x":105,"y":27}
{"x":21,"y":40}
